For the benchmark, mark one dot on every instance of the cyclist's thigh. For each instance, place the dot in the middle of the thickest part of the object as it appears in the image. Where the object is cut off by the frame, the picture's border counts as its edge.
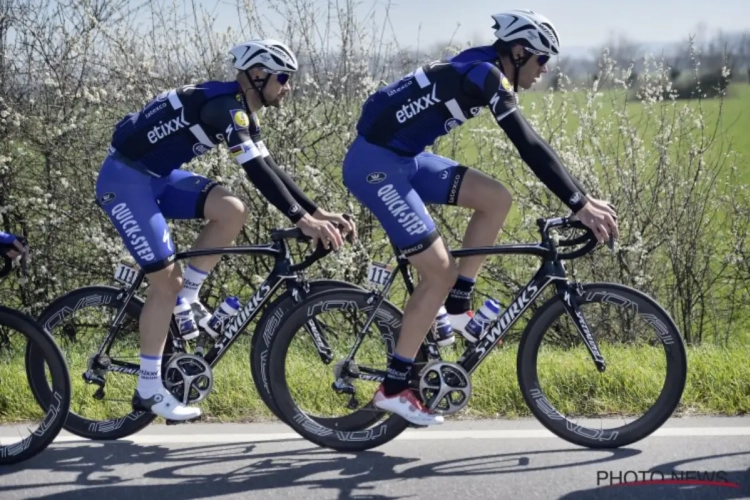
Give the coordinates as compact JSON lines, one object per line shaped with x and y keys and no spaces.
{"x":128,"y":199}
{"x":438,"y":179}
{"x":379,"y":179}
{"x":184,"y":195}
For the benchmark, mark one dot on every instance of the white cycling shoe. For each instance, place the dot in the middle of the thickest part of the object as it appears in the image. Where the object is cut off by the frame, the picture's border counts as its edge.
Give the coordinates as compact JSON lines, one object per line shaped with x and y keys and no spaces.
{"x":164,"y":404}
{"x":406,"y":405}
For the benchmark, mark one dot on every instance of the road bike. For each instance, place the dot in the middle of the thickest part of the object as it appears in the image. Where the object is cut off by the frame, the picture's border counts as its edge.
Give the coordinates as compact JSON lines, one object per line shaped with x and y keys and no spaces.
{"x":103,"y":320}
{"x":599,"y":322}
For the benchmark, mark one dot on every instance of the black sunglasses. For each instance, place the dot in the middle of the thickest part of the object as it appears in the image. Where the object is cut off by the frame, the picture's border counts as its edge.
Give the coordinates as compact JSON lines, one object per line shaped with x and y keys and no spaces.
{"x":542,"y":59}
{"x":282,"y":78}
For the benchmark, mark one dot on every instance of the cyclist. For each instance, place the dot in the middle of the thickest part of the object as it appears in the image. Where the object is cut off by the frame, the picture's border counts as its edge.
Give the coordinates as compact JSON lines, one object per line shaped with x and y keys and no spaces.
{"x":387,"y":170}
{"x":141,"y":184}
{"x":11,"y":246}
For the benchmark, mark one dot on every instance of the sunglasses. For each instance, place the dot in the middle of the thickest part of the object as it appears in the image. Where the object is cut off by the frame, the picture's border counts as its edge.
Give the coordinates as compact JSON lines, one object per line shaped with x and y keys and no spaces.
{"x":281,"y":77}
{"x":542,"y":59}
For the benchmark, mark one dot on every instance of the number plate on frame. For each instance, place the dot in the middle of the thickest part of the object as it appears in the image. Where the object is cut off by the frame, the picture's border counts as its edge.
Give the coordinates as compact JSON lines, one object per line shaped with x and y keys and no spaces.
{"x":378,"y":273}
{"x":125,"y":274}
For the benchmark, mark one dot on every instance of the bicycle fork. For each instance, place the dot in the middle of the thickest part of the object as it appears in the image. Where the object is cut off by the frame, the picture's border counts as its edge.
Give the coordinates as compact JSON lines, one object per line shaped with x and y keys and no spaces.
{"x":569,"y":294}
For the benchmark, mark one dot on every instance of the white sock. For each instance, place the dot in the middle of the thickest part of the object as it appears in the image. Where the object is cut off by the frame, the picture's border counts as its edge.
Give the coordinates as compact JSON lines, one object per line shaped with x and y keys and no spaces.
{"x":149,"y":376}
{"x":192,"y":279}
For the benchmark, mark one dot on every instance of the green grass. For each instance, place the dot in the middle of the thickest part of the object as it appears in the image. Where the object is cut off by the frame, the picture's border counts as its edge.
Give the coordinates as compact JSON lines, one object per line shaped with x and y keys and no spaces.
{"x":718,"y":383}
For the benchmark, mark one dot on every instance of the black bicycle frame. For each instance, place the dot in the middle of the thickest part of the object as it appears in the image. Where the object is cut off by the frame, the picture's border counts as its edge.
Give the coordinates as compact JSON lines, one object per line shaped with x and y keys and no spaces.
{"x":551,"y":270}
{"x":284,"y":270}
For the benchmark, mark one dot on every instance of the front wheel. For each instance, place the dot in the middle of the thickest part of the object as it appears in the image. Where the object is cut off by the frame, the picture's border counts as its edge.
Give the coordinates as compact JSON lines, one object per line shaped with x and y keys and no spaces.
{"x":644,"y":377}
{"x":265,"y":333}
{"x":305,"y":365}
{"x":28,"y":429}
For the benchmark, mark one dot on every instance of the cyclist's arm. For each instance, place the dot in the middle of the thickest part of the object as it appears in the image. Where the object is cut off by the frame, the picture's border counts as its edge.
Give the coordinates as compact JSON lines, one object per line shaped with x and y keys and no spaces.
{"x":221,"y":114}
{"x":293,"y":188}
{"x":534,"y":150}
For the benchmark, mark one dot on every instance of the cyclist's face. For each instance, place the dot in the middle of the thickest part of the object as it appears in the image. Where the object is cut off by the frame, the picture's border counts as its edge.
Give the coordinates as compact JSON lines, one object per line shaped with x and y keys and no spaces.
{"x":275,"y":91}
{"x":531,"y":72}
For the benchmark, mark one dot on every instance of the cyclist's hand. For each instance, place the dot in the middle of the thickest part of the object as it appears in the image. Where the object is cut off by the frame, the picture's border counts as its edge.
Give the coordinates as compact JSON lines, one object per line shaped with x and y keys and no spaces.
{"x":601,"y":222}
{"x":321,"y":231}
{"x":603,"y":205}
{"x":11,"y":246}
{"x":338,"y":219}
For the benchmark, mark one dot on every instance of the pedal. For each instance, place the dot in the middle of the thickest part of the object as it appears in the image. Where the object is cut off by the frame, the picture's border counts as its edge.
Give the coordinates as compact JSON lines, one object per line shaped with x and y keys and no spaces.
{"x":99,"y":394}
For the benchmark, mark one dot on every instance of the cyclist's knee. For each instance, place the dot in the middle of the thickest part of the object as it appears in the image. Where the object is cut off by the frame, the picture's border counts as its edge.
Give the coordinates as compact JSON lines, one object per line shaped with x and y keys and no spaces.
{"x":225,"y":208}
{"x":482,"y":193}
{"x":166,"y":282}
{"x":435,"y":265}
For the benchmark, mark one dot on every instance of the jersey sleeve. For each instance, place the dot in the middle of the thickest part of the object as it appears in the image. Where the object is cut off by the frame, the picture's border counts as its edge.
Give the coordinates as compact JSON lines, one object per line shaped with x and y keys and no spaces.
{"x":224,"y":114}
{"x":487,"y":83}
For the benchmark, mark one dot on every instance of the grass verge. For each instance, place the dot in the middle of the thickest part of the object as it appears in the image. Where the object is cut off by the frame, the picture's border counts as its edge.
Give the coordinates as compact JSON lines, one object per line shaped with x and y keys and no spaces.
{"x":718,"y":383}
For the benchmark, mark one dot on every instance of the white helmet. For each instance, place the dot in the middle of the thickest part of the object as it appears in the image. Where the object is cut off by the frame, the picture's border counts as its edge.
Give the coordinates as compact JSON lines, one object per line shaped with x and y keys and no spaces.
{"x":270,"y":54}
{"x":526,"y":27}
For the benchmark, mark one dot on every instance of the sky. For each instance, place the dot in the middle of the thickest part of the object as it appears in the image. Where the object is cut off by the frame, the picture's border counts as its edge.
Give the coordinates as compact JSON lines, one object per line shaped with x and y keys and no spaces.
{"x":647,"y":21}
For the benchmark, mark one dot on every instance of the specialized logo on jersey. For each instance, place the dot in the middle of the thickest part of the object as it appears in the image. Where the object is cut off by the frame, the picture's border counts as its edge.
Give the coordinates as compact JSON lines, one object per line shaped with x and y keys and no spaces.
{"x":163,"y":130}
{"x":240,"y":119}
{"x":401,"y":211}
{"x":451,"y":123}
{"x":413,"y":108}
{"x":200,"y":148}
{"x":375,"y":177}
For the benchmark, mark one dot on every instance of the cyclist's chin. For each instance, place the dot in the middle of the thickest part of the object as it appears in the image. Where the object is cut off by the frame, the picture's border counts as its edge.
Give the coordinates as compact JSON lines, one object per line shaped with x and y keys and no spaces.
{"x":276,"y":103}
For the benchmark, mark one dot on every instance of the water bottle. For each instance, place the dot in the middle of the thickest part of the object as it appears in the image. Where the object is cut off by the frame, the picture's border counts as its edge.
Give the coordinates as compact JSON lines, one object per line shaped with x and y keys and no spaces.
{"x":221,"y":316}
{"x":443,"y":328}
{"x":184,"y":318}
{"x":483,"y":317}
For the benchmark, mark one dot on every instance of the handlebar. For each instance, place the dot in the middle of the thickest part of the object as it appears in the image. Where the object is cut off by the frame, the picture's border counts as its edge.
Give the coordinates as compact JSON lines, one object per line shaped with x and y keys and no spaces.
{"x":572,"y":222}
{"x":296,"y":233}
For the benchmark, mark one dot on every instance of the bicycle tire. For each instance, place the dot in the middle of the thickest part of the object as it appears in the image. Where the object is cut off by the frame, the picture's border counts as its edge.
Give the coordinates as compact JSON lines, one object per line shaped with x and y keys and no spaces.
{"x":57,"y":402}
{"x":302,"y":424}
{"x":265,"y":331}
{"x":616,"y":437}
{"x":53,"y":314}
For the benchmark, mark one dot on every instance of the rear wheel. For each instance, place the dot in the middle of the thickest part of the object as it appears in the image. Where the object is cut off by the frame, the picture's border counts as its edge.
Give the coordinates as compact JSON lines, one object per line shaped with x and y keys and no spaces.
{"x":262,"y":340}
{"x":304,"y":366}
{"x":80,"y":321}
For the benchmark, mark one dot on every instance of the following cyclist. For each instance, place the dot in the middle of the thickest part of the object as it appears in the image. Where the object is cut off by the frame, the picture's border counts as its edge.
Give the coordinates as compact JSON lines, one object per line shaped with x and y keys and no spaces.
{"x":388,"y":171}
{"x":11,"y":246}
{"x":141,"y":184}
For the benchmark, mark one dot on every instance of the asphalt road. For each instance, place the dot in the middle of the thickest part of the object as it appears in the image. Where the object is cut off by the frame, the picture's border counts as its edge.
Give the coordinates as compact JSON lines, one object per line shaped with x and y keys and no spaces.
{"x":494,"y":459}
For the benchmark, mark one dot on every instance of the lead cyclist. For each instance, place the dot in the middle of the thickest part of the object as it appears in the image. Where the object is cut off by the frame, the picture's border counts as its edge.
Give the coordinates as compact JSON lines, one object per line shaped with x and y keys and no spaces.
{"x":388,"y":171}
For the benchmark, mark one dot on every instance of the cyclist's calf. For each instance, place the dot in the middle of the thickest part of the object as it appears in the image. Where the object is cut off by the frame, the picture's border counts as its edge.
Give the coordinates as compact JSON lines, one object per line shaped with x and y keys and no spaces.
{"x":164,"y":286}
{"x":437,"y":274}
